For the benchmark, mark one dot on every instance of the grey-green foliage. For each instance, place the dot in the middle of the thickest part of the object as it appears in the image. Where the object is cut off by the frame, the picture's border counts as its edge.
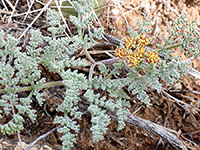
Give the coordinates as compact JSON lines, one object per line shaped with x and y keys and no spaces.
{"x":143,"y":28}
{"x":2,"y":41}
{"x":186,"y":33}
{"x":18,"y":68}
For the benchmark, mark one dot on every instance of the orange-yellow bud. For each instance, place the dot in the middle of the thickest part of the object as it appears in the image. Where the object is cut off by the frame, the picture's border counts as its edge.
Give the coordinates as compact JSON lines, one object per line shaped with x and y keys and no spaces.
{"x":120,"y":52}
{"x":152,"y":57}
{"x":132,"y":61}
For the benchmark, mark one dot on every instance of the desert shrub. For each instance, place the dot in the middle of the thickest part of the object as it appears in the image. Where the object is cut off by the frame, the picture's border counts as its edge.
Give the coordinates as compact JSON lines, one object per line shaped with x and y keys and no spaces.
{"x":19,"y":69}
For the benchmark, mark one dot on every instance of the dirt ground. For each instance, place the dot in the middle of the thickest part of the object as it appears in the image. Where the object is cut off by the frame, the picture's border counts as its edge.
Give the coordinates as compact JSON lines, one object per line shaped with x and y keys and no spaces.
{"x":164,"y":111}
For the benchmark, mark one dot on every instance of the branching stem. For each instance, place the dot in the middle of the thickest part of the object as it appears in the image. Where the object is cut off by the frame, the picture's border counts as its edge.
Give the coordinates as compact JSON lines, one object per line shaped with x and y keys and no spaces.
{"x":60,"y":83}
{"x":29,"y":88}
{"x":84,"y":48}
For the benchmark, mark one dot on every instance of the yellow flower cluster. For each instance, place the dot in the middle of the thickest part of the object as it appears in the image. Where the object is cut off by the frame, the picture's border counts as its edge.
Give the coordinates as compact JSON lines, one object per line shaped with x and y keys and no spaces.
{"x":132,"y":61}
{"x":129,"y":43}
{"x":152,"y":57}
{"x":142,"y":40}
{"x":133,"y":57}
{"x":122,"y":53}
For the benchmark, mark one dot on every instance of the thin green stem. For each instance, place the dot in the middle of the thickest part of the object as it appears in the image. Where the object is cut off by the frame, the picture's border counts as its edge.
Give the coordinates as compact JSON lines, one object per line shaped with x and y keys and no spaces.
{"x":91,"y":70}
{"x":84,"y":48}
{"x":29,"y":88}
{"x":171,"y":47}
{"x":110,"y":74}
{"x":30,"y":95}
{"x":105,"y":62}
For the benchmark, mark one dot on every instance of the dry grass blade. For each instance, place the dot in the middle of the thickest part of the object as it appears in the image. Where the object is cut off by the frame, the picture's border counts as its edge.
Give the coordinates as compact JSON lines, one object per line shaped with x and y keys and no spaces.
{"x":10,"y":19}
{"x":63,"y":19}
{"x":173,"y":98}
{"x":193,"y":72}
{"x":29,"y":9}
{"x":120,"y":7}
{"x":10,"y":4}
{"x":4,"y":5}
{"x":41,"y":137}
{"x":26,"y":13}
{"x":44,"y":8}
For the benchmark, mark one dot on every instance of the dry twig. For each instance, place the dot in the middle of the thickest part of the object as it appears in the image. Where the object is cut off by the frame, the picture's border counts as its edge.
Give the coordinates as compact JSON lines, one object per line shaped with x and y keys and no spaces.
{"x":157,"y":130}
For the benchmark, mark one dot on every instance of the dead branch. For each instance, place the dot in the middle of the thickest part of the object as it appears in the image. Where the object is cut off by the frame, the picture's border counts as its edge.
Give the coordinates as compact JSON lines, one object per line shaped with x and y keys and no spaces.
{"x":157,"y":130}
